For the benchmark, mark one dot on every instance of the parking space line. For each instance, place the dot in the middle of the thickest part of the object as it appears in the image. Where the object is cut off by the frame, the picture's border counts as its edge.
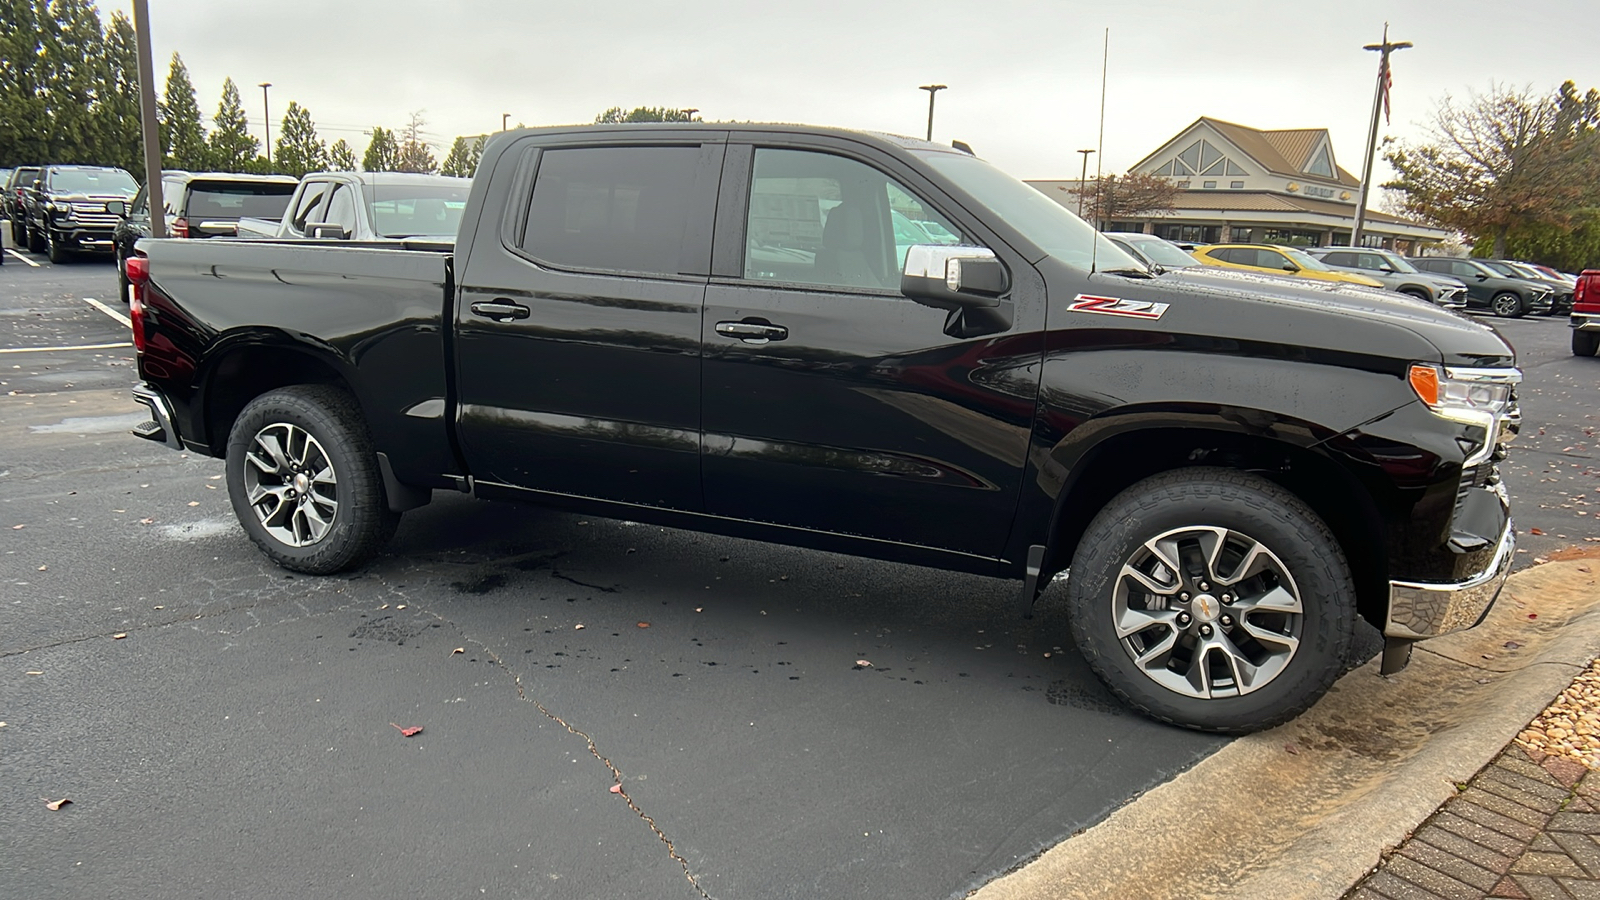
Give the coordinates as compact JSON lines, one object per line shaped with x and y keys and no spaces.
{"x":112,"y":346}
{"x":128,"y":323}
{"x":21,"y":257}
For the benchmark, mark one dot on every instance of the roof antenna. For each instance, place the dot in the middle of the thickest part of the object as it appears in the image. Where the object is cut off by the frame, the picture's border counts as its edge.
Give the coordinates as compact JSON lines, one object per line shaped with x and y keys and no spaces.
{"x":1100,"y":155}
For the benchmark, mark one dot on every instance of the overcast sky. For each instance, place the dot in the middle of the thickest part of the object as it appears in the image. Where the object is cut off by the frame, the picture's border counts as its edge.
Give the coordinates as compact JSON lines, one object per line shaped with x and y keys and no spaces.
{"x":1024,"y":77}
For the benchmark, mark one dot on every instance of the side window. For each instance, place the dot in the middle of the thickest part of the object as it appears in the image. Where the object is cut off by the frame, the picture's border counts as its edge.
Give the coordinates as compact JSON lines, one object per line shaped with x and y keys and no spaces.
{"x":1339,"y":259}
{"x":820,"y":219}
{"x":614,"y":208}
{"x":1270,"y":259}
{"x":1372,"y":261}
{"x":172,"y":196}
{"x":1463,"y":269}
{"x":141,"y":204}
{"x":341,"y":209}
{"x":310,"y":198}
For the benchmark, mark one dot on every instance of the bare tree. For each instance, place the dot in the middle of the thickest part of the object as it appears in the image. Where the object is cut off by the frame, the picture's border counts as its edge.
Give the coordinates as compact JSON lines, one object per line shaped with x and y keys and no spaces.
{"x":1123,"y":197}
{"x":415,"y":156}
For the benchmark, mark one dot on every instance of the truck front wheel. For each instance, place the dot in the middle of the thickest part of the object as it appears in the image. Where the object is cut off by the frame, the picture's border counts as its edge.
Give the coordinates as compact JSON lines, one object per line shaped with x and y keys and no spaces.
{"x":304,"y":480}
{"x":1212,"y":599}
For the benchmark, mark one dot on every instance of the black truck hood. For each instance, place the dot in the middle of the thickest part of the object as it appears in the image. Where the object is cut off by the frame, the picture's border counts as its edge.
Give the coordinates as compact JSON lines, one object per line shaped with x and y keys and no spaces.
{"x":1460,"y":340}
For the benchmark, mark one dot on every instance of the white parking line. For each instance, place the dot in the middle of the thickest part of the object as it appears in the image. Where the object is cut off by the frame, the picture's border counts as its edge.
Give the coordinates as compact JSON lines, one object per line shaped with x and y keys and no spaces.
{"x":109,"y":311}
{"x":21,"y":257}
{"x":62,"y":349}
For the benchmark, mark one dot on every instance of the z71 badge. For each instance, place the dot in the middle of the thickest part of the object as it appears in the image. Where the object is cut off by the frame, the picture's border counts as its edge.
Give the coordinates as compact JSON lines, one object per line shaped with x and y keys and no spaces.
{"x":1114,"y":306}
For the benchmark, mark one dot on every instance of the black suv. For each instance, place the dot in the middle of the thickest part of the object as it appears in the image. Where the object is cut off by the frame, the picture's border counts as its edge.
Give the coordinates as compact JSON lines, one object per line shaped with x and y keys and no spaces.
{"x":66,"y":209}
{"x":1489,"y":289}
{"x":199,"y":205}
{"x":16,"y":185}
{"x":1560,"y":291}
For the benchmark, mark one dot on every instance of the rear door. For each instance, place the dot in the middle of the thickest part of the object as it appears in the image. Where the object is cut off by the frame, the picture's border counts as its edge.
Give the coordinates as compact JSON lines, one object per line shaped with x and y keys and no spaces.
{"x":578,"y":318}
{"x":832,"y":403}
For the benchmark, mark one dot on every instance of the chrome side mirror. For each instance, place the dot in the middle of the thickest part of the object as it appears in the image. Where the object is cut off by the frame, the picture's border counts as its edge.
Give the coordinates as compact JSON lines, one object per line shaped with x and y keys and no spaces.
{"x":953,"y":277}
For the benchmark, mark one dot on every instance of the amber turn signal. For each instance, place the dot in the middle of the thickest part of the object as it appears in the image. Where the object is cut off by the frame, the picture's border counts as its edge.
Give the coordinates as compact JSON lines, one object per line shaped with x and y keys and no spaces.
{"x":1425,"y":381}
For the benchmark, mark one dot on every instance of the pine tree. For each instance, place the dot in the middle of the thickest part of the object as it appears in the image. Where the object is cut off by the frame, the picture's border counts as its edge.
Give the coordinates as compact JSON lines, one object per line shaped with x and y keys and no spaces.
{"x":24,"y":110}
{"x":464,"y":155}
{"x":233,"y":147}
{"x":116,"y":108}
{"x":383,"y":153}
{"x":183,"y":137}
{"x":341,"y":158}
{"x":299,"y":150}
{"x":415,"y":156}
{"x":71,"y":38}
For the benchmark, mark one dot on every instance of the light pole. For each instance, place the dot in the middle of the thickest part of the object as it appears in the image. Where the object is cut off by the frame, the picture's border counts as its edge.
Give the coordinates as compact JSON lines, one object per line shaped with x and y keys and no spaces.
{"x":932,"y":90}
{"x":1380,"y":103}
{"x":504,"y":119}
{"x":147,"y":117}
{"x":690,"y":112}
{"x":266,"y":118}
{"x":1083,"y":180}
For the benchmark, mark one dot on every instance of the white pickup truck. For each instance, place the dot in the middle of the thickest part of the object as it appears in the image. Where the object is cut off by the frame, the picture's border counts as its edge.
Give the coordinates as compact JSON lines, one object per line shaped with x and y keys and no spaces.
{"x":368,"y":206}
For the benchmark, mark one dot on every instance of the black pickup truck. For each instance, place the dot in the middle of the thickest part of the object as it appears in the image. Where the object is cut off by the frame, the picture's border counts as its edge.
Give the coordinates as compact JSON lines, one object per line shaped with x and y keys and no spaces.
{"x":871,"y":345}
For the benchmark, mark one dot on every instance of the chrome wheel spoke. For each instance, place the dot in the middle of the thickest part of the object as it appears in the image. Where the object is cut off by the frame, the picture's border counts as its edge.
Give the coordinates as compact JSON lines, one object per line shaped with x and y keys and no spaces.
{"x":1277,"y":600}
{"x":1156,"y":655}
{"x":1133,"y":621}
{"x":1287,"y":642}
{"x":1147,"y":583}
{"x":279,"y":462}
{"x":291,"y":484}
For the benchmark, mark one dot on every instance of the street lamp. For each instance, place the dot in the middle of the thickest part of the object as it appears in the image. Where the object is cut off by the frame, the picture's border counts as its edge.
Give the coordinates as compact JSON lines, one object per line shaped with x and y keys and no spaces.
{"x":1083,"y":180}
{"x":504,"y":119}
{"x":266,"y":118}
{"x":690,"y":112}
{"x":1380,"y":103}
{"x":932,"y":89}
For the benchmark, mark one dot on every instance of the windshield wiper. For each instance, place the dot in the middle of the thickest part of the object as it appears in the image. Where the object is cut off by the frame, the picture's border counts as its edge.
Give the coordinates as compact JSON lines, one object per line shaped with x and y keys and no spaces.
{"x":1129,"y":271}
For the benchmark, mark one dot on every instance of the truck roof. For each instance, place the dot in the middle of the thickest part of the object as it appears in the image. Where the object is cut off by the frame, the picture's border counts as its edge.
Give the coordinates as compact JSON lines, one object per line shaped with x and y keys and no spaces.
{"x":896,"y":141}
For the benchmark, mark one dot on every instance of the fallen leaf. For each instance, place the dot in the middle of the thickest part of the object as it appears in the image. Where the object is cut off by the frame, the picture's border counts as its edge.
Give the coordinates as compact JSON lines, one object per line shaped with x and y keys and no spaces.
{"x":1535,"y":531}
{"x":42,"y":568}
{"x":57,"y":804}
{"x":458,"y":650}
{"x":1291,"y":749}
{"x":216,"y":478}
{"x":616,"y":789}
{"x":18,"y":527}
{"x":119,"y":635}
{"x":699,"y":608}
{"x":579,"y":627}
{"x":158,"y":607}
{"x":35,"y":672}
{"x":644,"y":624}
{"x":211,"y":487}
{"x":1533,"y":615}
{"x":147,"y":521}
{"x":409,"y":731}
{"x":1512,"y":645}
{"x":401,"y":606}
{"x":863,"y":663}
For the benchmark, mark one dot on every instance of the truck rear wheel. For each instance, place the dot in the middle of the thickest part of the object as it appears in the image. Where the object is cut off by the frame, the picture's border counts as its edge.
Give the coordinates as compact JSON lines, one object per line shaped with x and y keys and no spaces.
{"x":304,"y":480}
{"x":1212,"y":599}
{"x":1585,"y":343}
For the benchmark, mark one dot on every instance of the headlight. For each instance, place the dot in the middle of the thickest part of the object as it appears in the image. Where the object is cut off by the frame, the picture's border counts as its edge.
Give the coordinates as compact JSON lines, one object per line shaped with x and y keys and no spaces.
{"x":61,"y":207}
{"x":1486,"y":398}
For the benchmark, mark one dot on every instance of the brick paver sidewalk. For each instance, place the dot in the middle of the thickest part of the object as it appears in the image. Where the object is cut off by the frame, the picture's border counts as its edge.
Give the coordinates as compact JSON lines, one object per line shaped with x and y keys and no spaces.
{"x":1521,"y":830}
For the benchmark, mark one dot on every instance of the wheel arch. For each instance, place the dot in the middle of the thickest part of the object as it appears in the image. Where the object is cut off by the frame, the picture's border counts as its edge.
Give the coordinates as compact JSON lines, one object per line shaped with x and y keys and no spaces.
{"x":1292,"y":460}
{"x":245,"y":367}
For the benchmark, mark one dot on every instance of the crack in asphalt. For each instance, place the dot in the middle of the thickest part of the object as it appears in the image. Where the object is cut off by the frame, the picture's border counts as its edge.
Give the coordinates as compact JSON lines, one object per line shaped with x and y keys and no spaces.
{"x":569,"y":578}
{"x":594,"y":749}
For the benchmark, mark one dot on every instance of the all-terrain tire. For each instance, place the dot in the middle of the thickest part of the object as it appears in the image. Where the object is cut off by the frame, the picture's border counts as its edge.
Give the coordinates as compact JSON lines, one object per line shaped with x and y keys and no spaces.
{"x":290,"y":439}
{"x":1307,"y":561}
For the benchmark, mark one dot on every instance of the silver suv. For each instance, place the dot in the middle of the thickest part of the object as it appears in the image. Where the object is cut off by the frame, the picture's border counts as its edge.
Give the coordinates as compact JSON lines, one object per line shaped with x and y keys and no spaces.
{"x":1396,"y":274}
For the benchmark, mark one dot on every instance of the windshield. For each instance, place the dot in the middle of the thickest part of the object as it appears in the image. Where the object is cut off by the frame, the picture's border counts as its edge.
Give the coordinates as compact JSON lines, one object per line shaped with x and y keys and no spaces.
{"x":408,"y":210}
{"x":217,"y":200}
{"x":1305,"y":260}
{"x":1399,"y":264}
{"x":1528,"y":272}
{"x":1041,"y":220}
{"x":1500,"y":268}
{"x":93,"y":181}
{"x":1163,"y":253}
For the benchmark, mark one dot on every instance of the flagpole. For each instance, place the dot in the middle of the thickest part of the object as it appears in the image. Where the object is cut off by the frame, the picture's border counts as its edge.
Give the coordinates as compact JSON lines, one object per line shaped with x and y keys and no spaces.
{"x":1380,"y":97}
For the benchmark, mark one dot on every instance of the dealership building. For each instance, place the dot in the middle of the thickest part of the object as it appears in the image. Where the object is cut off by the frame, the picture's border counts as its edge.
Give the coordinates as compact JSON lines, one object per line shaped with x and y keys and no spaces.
{"x":1245,"y":185}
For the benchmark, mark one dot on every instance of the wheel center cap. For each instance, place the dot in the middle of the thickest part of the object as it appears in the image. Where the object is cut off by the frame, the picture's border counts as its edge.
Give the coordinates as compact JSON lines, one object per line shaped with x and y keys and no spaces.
{"x":302,"y":483}
{"x":1205,"y":608}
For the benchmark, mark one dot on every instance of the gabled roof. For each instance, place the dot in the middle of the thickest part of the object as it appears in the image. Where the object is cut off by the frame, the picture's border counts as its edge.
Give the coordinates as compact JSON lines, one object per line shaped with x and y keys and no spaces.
{"x":1283,"y":151}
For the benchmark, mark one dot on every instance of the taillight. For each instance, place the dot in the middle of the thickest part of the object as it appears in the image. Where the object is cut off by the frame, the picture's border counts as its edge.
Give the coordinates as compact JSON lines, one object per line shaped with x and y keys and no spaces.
{"x":180,"y":228}
{"x":1586,"y":295}
{"x":138,"y":271}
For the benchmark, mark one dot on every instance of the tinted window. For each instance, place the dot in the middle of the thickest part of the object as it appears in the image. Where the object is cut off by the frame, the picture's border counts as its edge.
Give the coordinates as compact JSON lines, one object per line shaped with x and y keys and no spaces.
{"x":816,"y":218}
{"x":222,"y":200}
{"x":1339,"y":259}
{"x":1464,"y":269}
{"x":407,"y":210}
{"x":93,"y":181}
{"x":1372,"y":261}
{"x":615,"y":208}
{"x":1270,"y":259}
{"x":310,"y":199}
{"x":140,"y":205}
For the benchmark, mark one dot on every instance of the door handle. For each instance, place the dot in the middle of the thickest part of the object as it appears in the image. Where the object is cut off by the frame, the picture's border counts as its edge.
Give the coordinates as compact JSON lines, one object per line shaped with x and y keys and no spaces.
{"x":753,"y":331}
{"x":500,"y":310}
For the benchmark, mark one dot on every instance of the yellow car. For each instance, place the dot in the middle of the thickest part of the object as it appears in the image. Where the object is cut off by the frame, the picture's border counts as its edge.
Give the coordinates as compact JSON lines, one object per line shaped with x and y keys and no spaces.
{"x":1275,"y":260}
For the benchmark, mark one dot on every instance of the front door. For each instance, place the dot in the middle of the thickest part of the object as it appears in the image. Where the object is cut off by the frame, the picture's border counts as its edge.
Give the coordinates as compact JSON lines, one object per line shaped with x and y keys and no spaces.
{"x":578,"y":331}
{"x":833,"y":403}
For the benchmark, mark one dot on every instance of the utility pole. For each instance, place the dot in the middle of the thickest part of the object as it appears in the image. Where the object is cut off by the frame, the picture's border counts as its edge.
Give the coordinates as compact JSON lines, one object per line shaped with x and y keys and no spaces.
{"x":1380,"y":103}
{"x":932,"y":90}
{"x":266,"y":118}
{"x":1083,"y":180}
{"x":147,"y":119}
{"x":690,"y":112}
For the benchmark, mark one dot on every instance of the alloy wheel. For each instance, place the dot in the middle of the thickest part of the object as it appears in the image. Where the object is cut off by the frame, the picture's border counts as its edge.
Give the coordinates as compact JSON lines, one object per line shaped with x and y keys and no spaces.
{"x":290,"y":484}
{"x":1207,"y":612}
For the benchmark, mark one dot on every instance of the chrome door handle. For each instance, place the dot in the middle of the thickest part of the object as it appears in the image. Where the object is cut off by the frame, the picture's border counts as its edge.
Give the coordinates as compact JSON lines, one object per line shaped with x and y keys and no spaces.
{"x":753,"y":332}
{"x":500,"y":310}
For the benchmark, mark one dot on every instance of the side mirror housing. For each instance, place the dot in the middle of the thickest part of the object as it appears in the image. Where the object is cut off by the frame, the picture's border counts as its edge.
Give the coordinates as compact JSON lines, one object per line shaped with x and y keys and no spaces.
{"x":1290,"y":267}
{"x":118,"y":208}
{"x":1482,"y":277}
{"x":1386,"y":269}
{"x":327,"y":230}
{"x":953,"y":278}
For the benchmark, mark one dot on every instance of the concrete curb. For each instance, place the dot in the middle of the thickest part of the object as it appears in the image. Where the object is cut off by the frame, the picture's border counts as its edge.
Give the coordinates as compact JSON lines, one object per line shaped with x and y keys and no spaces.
{"x":1307,"y":809}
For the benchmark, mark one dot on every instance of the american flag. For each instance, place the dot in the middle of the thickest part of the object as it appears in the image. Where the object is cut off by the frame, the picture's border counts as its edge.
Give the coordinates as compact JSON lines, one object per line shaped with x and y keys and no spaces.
{"x":1385,"y":82}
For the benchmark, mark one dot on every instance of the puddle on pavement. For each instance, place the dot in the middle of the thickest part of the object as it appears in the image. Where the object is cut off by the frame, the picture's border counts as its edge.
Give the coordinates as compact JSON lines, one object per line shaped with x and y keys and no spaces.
{"x":204,"y":528}
{"x":92,"y":424}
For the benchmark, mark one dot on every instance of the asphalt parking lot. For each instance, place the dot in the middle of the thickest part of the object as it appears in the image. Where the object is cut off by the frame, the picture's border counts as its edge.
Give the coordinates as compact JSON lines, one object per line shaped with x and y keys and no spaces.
{"x":784,"y":723}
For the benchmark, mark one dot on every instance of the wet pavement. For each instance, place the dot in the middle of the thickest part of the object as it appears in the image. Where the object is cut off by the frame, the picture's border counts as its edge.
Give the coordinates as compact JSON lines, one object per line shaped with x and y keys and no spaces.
{"x":781,"y":723}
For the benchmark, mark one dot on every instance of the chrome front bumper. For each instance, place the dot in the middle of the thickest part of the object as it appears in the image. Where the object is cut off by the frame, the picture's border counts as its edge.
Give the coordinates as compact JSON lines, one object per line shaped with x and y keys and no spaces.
{"x":1420,"y":610}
